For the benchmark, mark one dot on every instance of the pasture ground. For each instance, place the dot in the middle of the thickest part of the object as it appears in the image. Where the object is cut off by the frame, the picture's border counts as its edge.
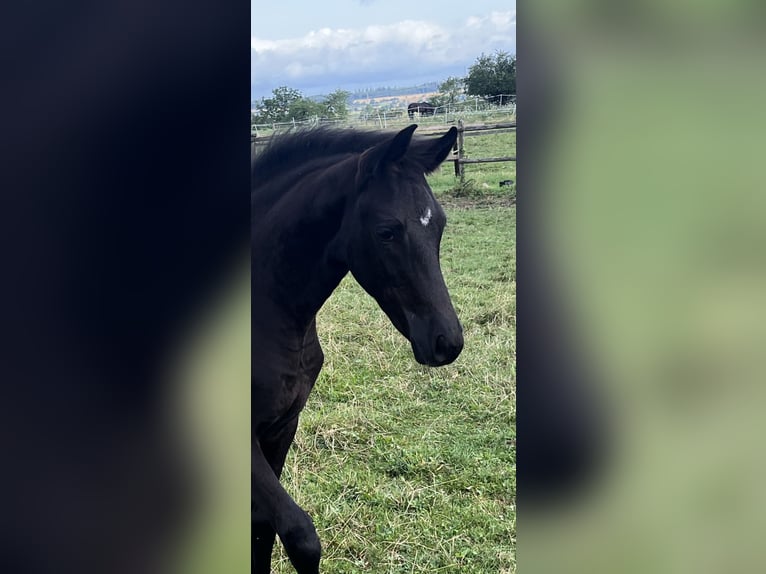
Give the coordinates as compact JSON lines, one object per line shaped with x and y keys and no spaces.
{"x":403,"y":468}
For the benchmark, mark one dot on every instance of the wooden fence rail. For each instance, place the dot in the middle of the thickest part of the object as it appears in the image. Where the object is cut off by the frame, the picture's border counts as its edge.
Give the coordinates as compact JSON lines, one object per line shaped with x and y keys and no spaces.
{"x":487,"y":159}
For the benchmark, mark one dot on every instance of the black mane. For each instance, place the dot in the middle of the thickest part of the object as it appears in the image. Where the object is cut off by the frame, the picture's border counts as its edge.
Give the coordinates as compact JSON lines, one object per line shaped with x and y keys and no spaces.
{"x":291,"y":155}
{"x":296,"y":148}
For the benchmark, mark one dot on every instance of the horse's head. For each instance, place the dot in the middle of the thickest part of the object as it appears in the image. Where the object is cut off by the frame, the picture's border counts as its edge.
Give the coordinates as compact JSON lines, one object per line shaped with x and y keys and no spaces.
{"x":392,"y":234}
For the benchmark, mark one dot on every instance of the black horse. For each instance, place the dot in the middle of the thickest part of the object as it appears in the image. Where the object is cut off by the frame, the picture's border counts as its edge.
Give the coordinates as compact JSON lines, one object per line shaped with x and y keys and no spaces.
{"x":326,"y":202}
{"x":423,"y":108}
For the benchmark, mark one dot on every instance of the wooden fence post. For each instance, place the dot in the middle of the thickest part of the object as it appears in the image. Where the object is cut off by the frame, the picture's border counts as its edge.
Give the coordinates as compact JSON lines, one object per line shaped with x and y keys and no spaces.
{"x":459,"y":166}
{"x":455,"y":148}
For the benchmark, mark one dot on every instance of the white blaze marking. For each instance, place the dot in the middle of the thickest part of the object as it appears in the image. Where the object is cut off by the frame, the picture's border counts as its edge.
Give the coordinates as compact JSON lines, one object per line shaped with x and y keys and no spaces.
{"x":426,"y":217}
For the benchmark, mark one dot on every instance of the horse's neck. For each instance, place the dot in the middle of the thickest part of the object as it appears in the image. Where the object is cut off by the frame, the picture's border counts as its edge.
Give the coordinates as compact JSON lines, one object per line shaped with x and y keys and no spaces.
{"x":304,"y":273}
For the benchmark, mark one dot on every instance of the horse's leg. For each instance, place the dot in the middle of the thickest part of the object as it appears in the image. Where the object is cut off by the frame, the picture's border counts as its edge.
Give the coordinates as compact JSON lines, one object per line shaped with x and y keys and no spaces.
{"x":295,"y":527}
{"x":273,"y":509}
{"x":262,"y":537}
{"x":263,"y":534}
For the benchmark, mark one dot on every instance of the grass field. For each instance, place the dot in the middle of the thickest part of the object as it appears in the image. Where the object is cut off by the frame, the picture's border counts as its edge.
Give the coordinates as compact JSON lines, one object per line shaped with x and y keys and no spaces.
{"x":403,"y":468}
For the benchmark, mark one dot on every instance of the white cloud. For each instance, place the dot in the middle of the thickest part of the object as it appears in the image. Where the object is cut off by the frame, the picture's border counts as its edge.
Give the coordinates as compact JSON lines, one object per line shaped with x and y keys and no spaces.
{"x":503,"y":20}
{"x":474,"y":22}
{"x":377,"y":53}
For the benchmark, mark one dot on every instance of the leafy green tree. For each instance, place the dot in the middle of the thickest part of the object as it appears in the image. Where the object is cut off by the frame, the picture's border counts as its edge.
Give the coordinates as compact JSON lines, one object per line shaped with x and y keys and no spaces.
{"x":304,"y":109}
{"x":288,"y":103}
{"x":277,"y":108}
{"x":451,"y":89}
{"x":492,"y":76}
{"x":336,"y":104}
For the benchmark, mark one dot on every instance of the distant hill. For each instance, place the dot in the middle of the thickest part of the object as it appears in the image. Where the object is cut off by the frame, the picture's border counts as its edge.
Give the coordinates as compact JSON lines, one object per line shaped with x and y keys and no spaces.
{"x":382,"y":92}
{"x":385,"y":92}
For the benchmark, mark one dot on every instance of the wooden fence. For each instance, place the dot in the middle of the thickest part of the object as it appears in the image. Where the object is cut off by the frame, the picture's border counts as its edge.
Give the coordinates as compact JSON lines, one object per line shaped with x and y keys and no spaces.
{"x":463,"y":131}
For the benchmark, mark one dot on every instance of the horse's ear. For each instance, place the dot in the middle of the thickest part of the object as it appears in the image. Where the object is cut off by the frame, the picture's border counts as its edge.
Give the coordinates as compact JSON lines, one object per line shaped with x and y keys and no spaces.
{"x":375,"y":159}
{"x":432,"y":154}
{"x":398,"y":146}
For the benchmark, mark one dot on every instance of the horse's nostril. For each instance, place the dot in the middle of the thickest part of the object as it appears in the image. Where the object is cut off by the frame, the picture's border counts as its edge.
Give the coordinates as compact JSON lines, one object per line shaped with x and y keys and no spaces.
{"x":446,"y":350}
{"x":442,"y":347}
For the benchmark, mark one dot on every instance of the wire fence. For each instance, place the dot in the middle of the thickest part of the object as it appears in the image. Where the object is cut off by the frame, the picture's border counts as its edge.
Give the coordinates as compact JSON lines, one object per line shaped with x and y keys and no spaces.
{"x":503,"y":106}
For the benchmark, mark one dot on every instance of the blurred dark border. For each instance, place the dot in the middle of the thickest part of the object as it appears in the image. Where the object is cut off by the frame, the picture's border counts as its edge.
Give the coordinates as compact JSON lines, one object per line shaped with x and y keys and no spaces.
{"x":561,"y":422}
{"x":124,"y":177}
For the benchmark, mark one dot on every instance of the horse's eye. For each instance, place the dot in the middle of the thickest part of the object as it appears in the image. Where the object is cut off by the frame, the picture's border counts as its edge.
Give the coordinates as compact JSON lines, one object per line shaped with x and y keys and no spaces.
{"x":385,"y":234}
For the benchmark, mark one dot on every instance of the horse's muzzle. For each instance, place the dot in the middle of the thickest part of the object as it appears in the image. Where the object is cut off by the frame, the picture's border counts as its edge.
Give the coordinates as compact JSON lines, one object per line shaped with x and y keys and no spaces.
{"x":436,"y":348}
{"x":447,"y":350}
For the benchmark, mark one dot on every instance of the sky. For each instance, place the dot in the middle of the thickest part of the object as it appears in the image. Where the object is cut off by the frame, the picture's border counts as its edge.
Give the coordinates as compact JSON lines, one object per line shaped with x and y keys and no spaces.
{"x":318,"y":46}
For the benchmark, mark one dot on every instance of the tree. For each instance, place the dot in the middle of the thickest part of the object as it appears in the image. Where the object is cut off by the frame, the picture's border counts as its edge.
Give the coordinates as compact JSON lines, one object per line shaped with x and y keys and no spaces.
{"x":287,"y":104}
{"x":277,"y":108}
{"x":451,"y":89}
{"x":492,"y":76}
{"x":304,"y":109}
{"x":336,"y":105}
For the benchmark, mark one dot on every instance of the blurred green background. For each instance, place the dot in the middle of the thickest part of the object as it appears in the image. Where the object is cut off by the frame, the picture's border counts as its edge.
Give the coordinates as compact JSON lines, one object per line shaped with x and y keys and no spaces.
{"x":215,"y":388}
{"x":655,"y":217}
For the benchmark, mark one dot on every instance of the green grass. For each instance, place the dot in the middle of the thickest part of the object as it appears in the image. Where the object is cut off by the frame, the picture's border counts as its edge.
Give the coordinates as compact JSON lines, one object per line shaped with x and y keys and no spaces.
{"x":406,"y":468}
